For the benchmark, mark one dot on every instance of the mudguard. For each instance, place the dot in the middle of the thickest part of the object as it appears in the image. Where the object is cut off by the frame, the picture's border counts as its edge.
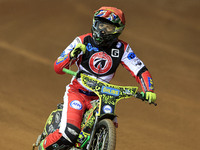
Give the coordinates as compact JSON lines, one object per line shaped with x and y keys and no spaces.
{"x":53,"y":121}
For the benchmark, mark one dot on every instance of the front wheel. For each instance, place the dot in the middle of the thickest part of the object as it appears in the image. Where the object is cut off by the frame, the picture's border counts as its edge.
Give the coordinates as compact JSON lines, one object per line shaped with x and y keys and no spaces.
{"x":105,"y":136}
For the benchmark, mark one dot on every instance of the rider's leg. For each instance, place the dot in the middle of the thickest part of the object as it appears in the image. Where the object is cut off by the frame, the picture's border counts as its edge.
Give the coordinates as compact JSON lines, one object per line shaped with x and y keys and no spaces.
{"x":73,"y":110}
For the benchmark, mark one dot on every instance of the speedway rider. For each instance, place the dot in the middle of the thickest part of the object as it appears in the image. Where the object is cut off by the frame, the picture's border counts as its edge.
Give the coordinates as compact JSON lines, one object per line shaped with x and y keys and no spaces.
{"x":100,"y":54}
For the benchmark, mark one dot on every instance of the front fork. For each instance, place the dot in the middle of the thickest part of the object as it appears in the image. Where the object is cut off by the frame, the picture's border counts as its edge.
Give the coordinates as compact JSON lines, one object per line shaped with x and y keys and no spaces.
{"x":92,"y":133}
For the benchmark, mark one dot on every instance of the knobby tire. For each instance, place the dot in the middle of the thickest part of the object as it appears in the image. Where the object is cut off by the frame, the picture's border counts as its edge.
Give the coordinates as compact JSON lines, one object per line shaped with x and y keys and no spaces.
{"x":105,"y":136}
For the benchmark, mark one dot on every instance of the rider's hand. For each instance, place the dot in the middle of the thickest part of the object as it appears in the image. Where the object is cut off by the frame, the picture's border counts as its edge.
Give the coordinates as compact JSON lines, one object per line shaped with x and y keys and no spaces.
{"x":77,"y":50}
{"x":150,"y":96}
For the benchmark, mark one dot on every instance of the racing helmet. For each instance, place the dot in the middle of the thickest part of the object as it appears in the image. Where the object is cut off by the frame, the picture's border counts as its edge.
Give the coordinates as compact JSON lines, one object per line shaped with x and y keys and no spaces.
{"x":108,"y":24}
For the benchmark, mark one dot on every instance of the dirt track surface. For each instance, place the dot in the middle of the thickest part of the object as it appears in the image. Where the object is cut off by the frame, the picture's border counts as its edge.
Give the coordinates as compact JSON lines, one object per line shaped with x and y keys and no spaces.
{"x":165,"y":34}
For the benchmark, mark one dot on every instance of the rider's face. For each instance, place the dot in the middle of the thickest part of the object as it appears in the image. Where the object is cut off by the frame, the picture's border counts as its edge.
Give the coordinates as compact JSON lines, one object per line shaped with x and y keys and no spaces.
{"x":106,"y":27}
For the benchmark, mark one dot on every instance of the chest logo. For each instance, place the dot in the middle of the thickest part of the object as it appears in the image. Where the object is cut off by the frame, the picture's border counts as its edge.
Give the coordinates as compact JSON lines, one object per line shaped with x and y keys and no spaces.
{"x":100,"y":63}
{"x":115,"y":53}
{"x":91,"y":48}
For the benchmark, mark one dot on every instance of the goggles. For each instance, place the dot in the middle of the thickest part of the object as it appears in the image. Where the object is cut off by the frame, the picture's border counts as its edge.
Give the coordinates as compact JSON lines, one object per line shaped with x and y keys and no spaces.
{"x":106,"y":28}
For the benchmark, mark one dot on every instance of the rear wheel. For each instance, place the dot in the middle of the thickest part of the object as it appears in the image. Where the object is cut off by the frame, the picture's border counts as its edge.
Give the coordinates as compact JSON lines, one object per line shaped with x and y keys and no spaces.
{"x":105,"y":136}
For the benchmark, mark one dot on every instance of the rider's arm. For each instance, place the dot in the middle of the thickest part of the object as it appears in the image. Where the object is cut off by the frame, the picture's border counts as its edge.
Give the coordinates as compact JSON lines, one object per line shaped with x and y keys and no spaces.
{"x":64,"y":60}
{"x":138,"y":70}
{"x":145,"y":80}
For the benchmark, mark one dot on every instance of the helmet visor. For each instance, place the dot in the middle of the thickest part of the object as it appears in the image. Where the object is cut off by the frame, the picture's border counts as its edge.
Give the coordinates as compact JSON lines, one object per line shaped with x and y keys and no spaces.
{"x":105,"y":27}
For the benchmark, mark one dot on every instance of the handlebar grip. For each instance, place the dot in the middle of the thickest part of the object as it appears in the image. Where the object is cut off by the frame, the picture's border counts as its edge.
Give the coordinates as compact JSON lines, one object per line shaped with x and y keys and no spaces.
{"x":139,"y":96}
{"x":69,"y":71}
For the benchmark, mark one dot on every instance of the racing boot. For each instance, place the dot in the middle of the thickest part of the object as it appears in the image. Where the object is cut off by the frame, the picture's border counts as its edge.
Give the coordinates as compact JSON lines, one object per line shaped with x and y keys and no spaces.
{"x":55,"y":141}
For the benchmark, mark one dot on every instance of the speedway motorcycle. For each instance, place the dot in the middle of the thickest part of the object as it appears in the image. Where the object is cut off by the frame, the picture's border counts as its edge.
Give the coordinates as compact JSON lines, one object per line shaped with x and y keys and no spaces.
{"x":98,"y":127}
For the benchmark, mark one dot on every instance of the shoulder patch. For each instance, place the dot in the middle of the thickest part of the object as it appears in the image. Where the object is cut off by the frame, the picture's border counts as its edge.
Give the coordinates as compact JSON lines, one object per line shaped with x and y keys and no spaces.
{"x":131,"y":55}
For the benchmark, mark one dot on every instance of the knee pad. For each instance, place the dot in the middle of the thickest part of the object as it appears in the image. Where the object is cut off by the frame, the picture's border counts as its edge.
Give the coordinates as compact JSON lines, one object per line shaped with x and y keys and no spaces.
{"x":72,"y":132}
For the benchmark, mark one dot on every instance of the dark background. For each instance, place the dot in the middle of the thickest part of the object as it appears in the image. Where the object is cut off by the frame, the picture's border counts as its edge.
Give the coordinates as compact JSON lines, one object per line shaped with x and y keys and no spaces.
{"x":165,"y":34}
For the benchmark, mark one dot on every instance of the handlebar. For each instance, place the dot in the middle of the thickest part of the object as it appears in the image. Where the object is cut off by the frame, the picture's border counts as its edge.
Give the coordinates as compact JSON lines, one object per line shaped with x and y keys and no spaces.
{"x":69,"y":71}
{"x":137,"y":95}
